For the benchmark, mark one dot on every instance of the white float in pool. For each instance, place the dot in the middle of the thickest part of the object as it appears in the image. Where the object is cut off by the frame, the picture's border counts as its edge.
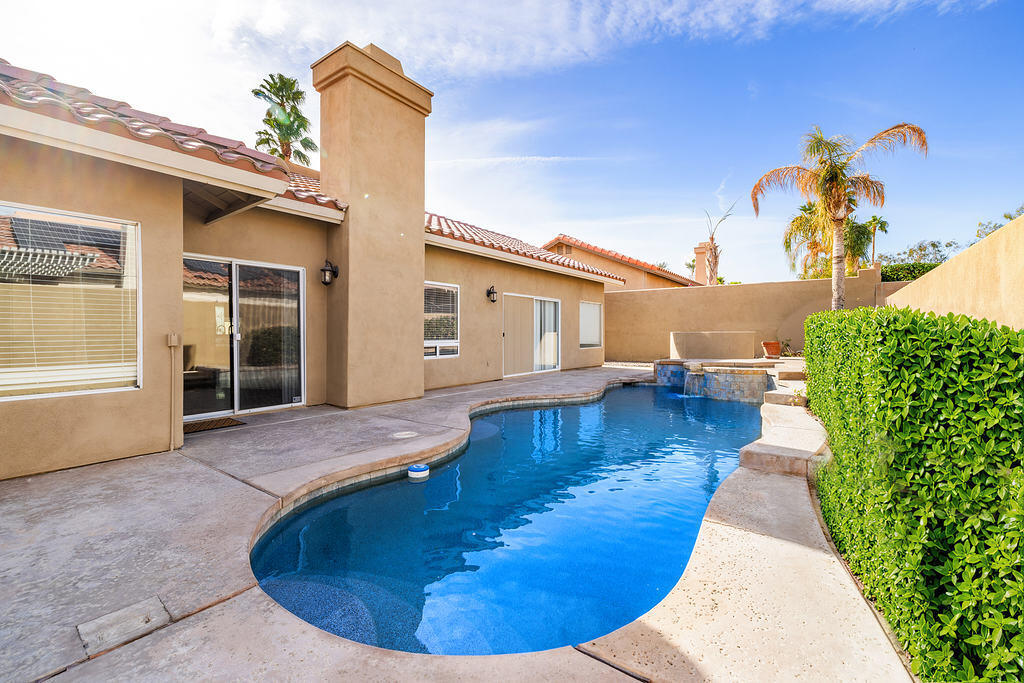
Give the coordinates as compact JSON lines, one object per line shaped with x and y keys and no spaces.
{"x":418,"y":472}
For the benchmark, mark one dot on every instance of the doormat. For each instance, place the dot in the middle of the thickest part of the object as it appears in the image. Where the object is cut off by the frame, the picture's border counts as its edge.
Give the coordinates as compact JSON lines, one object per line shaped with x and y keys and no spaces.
{"x":215,"y":423}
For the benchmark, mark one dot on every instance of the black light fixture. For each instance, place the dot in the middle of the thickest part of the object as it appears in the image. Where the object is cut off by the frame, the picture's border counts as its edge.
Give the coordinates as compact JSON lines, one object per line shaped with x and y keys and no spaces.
{"x":492,"y":294}
{"x":328,"y":273}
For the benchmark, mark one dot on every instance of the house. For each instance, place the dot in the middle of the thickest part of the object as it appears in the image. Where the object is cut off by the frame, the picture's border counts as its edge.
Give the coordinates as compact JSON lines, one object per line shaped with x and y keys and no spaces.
{"x":153,"y":273}
{"x":637,"y":274}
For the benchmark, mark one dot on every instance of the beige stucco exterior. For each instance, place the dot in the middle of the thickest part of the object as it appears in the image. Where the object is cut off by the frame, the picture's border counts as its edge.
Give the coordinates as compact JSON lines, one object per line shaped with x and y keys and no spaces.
{"x":373,"y":137}
{"x":984,"y":281}
{"x":639,"y":324}
{"x":635,"y":277}
{"x":480,"y":354}
{"x":41,"y":434}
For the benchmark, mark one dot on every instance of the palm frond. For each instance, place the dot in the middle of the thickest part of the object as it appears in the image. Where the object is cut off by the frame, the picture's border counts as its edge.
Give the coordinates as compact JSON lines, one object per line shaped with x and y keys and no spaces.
{"x":863,"y":186}
{"x":782,"y":178}
{"x":301,"y":157}
{"x":902,"y":134}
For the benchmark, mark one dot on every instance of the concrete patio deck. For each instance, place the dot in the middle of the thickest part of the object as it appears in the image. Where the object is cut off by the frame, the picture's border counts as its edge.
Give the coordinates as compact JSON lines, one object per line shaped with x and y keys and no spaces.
{"x":763,"y":597}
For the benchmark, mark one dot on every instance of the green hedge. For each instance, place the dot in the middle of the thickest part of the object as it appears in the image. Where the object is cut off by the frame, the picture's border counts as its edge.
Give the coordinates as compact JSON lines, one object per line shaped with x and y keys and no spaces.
{"x":904,"y":272}
{"x":925,"y":494}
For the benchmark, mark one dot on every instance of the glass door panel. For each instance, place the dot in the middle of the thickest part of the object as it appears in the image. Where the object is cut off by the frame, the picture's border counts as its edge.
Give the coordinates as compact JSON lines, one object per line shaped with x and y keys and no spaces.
{"x":546,"y":335}
{"x":269,"y":344}
{"x":206,"y":347}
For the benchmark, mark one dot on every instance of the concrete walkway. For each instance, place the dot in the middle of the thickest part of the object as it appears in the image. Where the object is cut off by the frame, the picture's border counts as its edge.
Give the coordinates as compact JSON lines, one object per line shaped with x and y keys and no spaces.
{"x":164,"y":538}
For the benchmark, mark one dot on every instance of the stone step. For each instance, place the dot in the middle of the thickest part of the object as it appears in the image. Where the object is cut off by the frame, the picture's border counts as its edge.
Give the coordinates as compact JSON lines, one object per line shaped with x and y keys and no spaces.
{"x":783,"y":397}
{"x":792,"y":374}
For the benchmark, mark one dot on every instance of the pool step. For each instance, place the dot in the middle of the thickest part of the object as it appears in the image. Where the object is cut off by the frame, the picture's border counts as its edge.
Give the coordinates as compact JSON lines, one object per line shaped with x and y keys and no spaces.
{"x":784,"y":397}
{"x":792,"y":374}
{"x":791,"y":442}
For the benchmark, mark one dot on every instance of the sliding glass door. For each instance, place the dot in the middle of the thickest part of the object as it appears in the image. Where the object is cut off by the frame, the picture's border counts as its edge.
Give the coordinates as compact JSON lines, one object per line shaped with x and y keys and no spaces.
{"x":207,"y":356}
{"x":546,"y":334}
{"x":269,"y":339}
{"x":243,"y":337}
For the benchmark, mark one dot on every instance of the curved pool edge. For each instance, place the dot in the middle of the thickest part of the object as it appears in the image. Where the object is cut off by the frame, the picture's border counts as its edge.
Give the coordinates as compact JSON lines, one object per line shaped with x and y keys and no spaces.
{"x":392,"y":467}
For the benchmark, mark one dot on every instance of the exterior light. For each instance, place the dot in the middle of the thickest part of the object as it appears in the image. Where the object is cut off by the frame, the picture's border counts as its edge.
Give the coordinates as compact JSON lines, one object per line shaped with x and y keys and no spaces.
{"x":492,"y":294}
{"x":328,"y":273}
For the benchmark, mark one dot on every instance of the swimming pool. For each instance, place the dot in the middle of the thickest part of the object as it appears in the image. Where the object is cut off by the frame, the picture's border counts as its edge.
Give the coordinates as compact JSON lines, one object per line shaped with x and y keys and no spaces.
{"x":555,"y":527}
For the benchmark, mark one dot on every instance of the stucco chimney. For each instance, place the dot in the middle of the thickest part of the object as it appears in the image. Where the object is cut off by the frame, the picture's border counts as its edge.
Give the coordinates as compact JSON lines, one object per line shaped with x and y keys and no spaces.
{"x":700,"y":259}
{"x":372,"y":122}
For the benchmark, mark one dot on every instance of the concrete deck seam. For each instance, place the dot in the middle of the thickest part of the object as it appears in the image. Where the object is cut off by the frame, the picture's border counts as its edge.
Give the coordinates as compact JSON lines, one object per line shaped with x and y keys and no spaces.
{"x":743,"y":529}
{"x":621,"y":669}
{"x":894,"y":641}
{"x":183,"y":617}
{"x":228,"y":474}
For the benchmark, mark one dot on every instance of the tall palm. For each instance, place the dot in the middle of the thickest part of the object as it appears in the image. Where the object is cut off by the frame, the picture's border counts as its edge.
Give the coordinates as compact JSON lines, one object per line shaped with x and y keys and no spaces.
{"x":832,"y":174}
{"x":877,"y":224}
{"x":287,"y":128}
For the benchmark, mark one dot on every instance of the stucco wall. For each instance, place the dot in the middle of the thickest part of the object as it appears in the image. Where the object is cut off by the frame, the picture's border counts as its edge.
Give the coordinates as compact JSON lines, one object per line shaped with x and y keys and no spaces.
{"x":274,"y":237}
{"x":638,"y":324}
{"x":985,"y":281}
{"x":42,"y":434}
{"x":480,"y":354}
{"x":636,"y":278}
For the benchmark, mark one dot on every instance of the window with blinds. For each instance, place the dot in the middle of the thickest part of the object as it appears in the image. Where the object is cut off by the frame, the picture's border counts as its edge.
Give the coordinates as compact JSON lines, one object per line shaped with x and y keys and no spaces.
{"x":590,"y":325}
{"x":69,"y":318}
{"x":440,"y":320}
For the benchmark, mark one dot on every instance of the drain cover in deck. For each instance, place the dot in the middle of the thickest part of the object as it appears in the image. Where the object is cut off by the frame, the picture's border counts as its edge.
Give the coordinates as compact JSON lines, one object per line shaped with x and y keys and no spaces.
{"x":215,"y":423}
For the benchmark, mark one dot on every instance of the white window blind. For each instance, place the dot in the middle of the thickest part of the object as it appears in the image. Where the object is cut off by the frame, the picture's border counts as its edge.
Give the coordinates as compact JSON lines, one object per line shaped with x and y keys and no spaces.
{"x":590,"y":325}
{"x":440,"y":320}
{"x":68,"y":303}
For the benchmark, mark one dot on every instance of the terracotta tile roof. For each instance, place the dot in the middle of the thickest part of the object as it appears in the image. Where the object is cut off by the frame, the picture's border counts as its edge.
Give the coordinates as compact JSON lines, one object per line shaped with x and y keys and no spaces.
{"x":42,"y":94}
{"x":446,"y":227}
{"x":622,"y":258}
{"x":307,"y":189}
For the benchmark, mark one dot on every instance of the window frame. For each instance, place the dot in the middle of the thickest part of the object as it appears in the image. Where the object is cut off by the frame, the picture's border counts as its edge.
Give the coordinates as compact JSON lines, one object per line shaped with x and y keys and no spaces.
{"x":139,"y":364}
{"x":437,"y":344}
{"x":600,"y":323}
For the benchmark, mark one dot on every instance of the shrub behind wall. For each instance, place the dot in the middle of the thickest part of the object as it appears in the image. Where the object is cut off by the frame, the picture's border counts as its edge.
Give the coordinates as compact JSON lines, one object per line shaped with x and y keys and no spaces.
{"x":904,"y":272}
{"x":925,"y":494}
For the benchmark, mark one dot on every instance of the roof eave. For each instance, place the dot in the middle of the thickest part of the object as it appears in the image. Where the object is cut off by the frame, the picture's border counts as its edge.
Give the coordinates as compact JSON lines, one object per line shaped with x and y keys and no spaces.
{"x":306,"y":209}
{"x":40,"y":128}
{"x":489,"y":252}
{"x":668,"y":275}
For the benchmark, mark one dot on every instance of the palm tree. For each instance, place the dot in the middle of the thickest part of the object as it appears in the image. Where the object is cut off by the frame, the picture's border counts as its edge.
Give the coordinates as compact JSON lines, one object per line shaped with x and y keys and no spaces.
{"x":714,"y":251}
{"x":832,"y":175}
{"x":808,"y":238}
{"x":877,"y":224}
{"x":287,"y":128}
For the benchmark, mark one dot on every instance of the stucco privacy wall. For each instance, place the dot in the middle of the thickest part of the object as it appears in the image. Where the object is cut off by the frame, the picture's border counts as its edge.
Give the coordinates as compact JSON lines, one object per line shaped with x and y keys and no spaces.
{"x":984,"y":281}
{"x":38,"y":435}
{"x":480,"y":321}
{"x":274,"y":237}
{"x":639,"y":324}
{"x":372,"y":140}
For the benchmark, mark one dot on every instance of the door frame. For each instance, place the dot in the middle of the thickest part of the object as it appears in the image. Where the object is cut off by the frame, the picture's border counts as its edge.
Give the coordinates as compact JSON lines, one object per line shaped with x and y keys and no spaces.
{"x":558,"y":365}
{"x":233,"y":264}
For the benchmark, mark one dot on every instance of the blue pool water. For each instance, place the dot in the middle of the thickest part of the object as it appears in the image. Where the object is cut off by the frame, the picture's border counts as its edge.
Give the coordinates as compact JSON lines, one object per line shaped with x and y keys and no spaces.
{"x":555,"y":527}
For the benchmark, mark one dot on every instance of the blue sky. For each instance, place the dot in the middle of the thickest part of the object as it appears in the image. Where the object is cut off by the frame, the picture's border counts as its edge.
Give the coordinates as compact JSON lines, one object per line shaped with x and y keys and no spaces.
{"x":616,"y":122}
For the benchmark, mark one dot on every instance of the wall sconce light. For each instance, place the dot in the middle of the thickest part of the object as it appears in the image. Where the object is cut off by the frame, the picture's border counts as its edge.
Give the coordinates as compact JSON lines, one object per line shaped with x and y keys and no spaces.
{"x":328,"y":273}
{"x":492,"y":294}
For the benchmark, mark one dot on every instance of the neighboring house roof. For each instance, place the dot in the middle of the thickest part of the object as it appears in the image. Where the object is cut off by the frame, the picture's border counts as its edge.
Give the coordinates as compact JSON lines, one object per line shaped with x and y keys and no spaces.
{"x":31,"y":246}
{"x":622,"y":258}
{"x":464,"y":232}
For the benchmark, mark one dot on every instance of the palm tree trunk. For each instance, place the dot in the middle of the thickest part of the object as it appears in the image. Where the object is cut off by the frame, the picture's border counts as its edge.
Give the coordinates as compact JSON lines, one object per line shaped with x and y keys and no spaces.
{"x":873,"y":246}
{"x":838,"y":266}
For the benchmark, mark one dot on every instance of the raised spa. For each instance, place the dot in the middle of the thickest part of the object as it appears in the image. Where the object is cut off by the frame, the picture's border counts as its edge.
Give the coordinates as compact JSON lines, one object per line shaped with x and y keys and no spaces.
{"x":556,"y":526}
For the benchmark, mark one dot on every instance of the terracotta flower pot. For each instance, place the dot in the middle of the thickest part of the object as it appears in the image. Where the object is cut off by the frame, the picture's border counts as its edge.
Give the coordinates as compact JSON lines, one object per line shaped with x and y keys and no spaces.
{"x":772,"y":349}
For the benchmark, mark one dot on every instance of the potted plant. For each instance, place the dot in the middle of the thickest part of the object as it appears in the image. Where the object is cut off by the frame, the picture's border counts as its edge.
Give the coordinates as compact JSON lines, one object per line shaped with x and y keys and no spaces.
{"x":772,"y":349}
